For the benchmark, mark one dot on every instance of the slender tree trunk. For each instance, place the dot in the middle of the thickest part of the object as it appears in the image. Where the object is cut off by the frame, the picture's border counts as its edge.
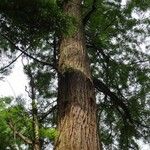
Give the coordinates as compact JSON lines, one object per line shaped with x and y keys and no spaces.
{"x":35,"y":121}
{"x":76,"y":98}
{"x":36,"y":141}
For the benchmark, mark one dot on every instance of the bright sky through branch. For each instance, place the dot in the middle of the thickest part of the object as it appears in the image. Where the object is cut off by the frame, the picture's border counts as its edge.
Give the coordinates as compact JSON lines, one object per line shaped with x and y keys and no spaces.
{"x":14,"y":84}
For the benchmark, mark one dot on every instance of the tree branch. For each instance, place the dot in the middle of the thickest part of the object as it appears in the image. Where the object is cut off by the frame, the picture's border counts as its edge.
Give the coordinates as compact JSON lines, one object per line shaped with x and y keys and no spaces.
{"x":88,"y":15}
{"x":27,"y":54}
{"x":100,"y":51}
{"x":13,"y":61}
{"x":25,"y":139}
{"x":47,"y":113}
{"x":100,"y":86}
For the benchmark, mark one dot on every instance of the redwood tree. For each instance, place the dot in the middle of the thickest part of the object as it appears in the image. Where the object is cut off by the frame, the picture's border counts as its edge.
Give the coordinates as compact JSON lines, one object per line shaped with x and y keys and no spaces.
{"x":77,"y":124}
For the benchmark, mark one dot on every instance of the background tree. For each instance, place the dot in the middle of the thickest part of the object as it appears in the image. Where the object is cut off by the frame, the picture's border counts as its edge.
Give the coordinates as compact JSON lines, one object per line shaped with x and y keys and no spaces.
{"x":25,"y":125}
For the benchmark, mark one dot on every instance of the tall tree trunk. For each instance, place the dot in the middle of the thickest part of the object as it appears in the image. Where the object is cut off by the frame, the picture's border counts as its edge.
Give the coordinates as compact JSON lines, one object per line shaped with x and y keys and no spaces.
{"x":77,"y":124}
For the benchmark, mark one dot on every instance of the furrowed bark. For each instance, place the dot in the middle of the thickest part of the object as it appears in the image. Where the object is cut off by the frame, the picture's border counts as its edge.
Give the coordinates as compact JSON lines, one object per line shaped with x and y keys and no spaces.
{"x":77,"y":125}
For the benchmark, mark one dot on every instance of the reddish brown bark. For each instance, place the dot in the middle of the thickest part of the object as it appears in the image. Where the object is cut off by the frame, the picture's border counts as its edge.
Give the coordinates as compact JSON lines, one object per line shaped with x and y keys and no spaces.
{"x":76,"y":98}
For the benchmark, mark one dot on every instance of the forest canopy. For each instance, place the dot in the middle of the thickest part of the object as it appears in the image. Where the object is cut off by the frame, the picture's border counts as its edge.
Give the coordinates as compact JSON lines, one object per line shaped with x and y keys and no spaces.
{"x":115,"y":37}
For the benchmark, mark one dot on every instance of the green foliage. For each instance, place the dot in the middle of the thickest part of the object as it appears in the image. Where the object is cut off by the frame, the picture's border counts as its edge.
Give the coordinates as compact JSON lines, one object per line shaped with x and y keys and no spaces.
{"x":113,"y":45}
{"x":32,"y":20}
{"x":50,"y":133}
{"x":8,"y":139}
